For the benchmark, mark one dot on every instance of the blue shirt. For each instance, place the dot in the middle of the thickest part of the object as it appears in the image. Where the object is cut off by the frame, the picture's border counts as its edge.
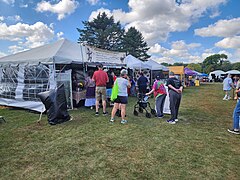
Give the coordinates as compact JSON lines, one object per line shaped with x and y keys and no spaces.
{"x":227,"y":82}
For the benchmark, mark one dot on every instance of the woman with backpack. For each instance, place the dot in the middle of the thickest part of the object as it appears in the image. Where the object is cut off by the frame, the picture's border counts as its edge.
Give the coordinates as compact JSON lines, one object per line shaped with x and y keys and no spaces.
{"x":160,"y":94}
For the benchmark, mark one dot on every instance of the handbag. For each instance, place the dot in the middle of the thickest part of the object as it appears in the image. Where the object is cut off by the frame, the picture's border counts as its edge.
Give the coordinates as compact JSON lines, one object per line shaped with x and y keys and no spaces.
{"x":114,"y":91}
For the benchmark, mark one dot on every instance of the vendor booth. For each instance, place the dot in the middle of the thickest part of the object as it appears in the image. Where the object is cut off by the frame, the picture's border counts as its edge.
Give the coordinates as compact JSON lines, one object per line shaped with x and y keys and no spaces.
{"x":25,"y":74}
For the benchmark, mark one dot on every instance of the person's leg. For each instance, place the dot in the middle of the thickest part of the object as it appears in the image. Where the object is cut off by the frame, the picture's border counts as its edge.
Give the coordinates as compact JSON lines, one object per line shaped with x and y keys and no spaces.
{"x":163,"y":97}
{"x":179,"y":96}
{"x":114,"y":110}
{"x":158,"y":106}
{"x":123,"y":111}
{"x":226,"y":95}
{"x":97,"y":95}
{"x":236,"y":115}
{"x":172,"y":97}
{"x":104,"y":97}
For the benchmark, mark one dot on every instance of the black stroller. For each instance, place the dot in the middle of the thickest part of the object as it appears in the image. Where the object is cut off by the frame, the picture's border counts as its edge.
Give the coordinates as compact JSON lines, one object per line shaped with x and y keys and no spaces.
{"x":143,"y":104}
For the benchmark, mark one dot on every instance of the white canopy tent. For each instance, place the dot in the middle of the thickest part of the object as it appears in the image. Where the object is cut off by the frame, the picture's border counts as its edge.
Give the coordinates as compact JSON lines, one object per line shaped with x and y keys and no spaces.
{"x":217,"y":73}
{"x":25,"y":74}
{"x":60,"y":52}
{"x":134,"y":63}
{"x":235,"y":72}
{"x":156,"y":66}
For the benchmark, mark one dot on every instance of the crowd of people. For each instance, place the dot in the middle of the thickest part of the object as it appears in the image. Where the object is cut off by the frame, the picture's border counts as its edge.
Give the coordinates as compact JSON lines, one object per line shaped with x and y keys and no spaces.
{"x":99,"y":86}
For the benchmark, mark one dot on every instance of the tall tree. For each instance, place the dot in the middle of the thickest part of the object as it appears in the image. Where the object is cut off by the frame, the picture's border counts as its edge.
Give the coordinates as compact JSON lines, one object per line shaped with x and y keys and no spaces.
{"x":213,"y":62}
{"x":196,"y":67}
{"x":236,"y":66}
{"x":102,"y":32}
{"x":134,"y":44}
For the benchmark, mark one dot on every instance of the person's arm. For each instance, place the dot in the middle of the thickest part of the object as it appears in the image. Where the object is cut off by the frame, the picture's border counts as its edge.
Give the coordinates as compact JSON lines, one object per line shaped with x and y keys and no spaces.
{"x":173,"y":88}
{"x":93,"y":77}
{"x":150,"y":92}
{"x":129,"y":83}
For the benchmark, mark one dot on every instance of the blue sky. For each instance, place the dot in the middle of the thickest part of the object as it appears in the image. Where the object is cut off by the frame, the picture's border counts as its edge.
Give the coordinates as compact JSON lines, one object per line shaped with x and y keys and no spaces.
{"x":176,"y":33}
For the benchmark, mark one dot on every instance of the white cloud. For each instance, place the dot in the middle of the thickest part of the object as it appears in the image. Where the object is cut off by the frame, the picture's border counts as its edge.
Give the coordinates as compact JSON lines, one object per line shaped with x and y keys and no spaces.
{"x":101,"y":10}
{"x":155,"y":19}
{"x":63,"y":8}
{"x":229,"y":42}
{"x":2,"y":54}
{"x":60,"y":35}
{"x":180,"y":52}
{"x":8,"y":1}
{"x":93,"y":2}
{"x":222,"y":28}
{"x":2,"y":18}
{"x":27,"y":36}
{"x":23,"y":5}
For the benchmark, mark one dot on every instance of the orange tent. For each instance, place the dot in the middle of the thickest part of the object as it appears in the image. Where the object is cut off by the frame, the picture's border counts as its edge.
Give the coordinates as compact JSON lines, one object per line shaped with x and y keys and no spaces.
{"x":178,"y":70}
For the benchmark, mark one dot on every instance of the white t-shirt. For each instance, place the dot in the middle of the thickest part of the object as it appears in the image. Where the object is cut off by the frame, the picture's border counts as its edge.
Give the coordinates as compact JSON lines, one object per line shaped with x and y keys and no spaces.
{"x":122,"y":86}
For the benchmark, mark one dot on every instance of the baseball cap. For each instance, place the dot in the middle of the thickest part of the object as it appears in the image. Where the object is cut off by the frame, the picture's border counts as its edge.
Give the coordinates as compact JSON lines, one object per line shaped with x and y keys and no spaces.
{"x":123,"y":72}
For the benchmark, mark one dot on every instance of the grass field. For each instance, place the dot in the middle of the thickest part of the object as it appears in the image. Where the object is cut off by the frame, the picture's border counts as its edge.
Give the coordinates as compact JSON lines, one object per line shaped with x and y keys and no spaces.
{"x":89,"y":147}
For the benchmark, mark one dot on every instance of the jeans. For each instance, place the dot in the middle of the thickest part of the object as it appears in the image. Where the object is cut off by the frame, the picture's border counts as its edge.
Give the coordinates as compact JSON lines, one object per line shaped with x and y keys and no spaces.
{"x":236,"y":116}
{"x":160,"y":104}
{"x":175,"y":99}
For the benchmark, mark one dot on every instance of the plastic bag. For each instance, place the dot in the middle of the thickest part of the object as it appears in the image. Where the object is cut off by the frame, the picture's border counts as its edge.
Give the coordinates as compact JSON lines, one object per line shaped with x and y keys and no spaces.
{"x":114,"y":91}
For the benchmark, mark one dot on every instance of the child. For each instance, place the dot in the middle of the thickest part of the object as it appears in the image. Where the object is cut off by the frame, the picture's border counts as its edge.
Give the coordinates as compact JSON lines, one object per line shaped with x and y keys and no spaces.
{"x":160,"y":95}
{"x":236,"y":115}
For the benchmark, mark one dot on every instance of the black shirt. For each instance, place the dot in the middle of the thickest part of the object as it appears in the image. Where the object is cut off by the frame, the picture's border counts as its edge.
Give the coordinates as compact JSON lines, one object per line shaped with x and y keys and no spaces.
{"x":110,"y":82}
{"x":174,"y":82}
{"x":142,"y":81}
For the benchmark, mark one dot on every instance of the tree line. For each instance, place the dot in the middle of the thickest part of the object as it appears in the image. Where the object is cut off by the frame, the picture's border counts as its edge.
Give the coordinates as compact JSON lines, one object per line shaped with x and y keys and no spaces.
{"x":210,"y":63}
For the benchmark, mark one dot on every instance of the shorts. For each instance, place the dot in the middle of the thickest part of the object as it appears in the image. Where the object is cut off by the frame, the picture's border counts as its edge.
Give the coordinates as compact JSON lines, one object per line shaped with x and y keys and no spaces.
{"x":100,"y":93}
{"x":109,"y":92}
{"x":121,"y":99}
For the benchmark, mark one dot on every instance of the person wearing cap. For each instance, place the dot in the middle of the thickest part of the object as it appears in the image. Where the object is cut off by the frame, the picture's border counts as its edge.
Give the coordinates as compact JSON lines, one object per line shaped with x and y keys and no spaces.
{"x":101,"y":78}
{"x":160,"y":94}
{"x":122,"y":98}
{"x":175,"y":94}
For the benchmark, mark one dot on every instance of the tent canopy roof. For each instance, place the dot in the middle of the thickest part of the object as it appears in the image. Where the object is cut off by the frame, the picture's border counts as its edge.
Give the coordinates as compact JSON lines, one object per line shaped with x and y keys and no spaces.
{"x":156,"y":66}
{"x":177,"y":69}
{"x":62,"y":51}
{"x":233,"y":72}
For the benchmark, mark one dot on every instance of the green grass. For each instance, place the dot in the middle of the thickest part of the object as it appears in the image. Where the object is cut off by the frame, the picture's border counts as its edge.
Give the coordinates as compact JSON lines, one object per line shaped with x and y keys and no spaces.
{"x":198,"y":147}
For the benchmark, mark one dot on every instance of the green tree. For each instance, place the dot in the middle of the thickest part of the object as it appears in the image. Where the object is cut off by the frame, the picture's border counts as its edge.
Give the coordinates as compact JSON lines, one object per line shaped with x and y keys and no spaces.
{"x":134,"y":44}
{"x":226,"y":66}
{"x":102,"y":32}
{"x":213,"y":62}
{"x":236,"y":66}
{"x":196,"y":67}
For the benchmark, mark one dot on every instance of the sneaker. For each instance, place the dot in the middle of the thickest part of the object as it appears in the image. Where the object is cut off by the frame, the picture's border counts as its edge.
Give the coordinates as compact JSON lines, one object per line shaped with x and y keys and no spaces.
{"x":105,"y":113}
{"x":176,"y":120}
{"x":171,"y":121}
{"x":111,"y":120}
{"x":123,"y":121}
{"x":96,"y":113}
{"x":233,"y":131}
{"x":160,"y":116}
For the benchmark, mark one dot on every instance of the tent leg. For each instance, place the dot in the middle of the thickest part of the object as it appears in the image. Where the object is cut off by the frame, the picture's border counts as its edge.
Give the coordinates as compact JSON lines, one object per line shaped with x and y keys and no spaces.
{"x":40,"y":118}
